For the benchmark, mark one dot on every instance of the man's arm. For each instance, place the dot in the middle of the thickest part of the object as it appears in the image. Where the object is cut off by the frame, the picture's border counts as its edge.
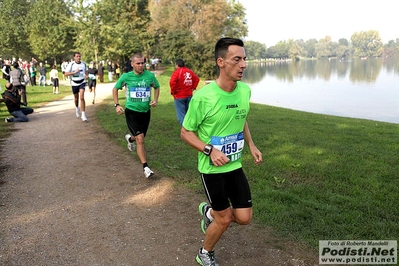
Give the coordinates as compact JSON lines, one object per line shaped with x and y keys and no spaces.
{"x":11,"y":98}
{"x":86,"y":72}
{"x":4,"y":70}
{"x":115,"y":95}
{"x":69,"y":72}
{"x":218,"y":158}
{"x":173,"y":82}
{"x":254,"y":150}
{"x":154,"y":102}
{"x":119,"y":109}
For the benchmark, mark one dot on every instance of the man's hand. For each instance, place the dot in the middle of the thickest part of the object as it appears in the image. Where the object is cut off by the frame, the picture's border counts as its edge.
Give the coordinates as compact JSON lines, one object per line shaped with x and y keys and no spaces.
{"x":218,"y":158}
{"x":256,"y":154}
{"x":119,"y":110}
{"x":153,"y":103}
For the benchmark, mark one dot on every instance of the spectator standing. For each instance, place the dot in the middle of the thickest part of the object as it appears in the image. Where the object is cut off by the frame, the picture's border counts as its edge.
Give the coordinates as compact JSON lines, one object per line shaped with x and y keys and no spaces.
{"x":182,"y":84}
{"x":6,"y":70}
{"x":25,"y":68}
{"x":18,"y":82}
{"x":117,"y":71}
{"x":34,"y":62}
{"x":138,"y":85}
{"x":32,"y":71}
{"x":43,"y":73}
{"x":113,"y":65}
{"x":128,"y":66}
{"x":110,"y":71}
{"x":155,"y":62}
{"x":55,"y":80}
{"x":101,"y":72}
{"x":64,"y":66}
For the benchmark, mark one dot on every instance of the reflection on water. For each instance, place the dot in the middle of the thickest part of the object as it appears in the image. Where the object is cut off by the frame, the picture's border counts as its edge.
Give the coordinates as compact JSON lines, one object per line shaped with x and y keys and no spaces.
{"x":357,"y":88}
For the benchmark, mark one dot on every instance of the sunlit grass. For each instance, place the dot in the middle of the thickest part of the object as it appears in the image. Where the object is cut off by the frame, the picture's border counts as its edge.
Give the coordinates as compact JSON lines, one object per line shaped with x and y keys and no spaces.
{"x":322,"y":177}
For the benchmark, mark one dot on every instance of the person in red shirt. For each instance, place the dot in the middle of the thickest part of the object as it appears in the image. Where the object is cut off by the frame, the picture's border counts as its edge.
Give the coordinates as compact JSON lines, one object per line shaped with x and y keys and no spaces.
{"x":182,"y":84}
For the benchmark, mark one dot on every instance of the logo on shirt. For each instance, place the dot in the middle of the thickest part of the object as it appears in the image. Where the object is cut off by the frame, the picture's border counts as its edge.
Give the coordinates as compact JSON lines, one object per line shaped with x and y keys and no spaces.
{"x":188,"y":79}
{"x":229,"y":106}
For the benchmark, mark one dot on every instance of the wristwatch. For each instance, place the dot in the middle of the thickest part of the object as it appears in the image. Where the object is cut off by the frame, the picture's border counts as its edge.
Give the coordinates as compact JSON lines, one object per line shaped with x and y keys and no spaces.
{"x":116,"y":104}
{"x":207,"y":149}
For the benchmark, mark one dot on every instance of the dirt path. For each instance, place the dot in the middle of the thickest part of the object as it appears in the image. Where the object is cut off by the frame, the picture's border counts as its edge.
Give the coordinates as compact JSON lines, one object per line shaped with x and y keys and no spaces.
{"x":72,"y":197}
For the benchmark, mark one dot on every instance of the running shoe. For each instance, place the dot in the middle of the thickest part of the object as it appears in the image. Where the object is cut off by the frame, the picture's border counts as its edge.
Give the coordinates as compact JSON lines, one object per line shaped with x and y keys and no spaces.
{"x":205,"y":221}
{"x":84,"y":118}
{"x":8,"y":120}
{"x":78,"y":112}
{"x":130,"y":145}
{"x":147,"y":172}
{"x":206,"y":259}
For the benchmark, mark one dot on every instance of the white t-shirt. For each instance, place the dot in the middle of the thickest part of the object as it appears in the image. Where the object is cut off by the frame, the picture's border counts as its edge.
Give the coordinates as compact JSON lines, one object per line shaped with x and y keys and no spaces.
{"x":54,"y":73}
{"x":78,"y":78}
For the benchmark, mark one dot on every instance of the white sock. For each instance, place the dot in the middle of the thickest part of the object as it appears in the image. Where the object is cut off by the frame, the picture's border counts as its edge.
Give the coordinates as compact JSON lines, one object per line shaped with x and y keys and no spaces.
{"x":77,"y":108}
{"x":204,"y":251}
{"x":208,"y":214}
{"x":83,"y":113}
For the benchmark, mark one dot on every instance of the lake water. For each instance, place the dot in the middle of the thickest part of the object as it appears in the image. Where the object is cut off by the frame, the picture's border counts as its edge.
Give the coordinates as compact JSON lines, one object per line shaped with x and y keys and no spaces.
{"x":358,"y":88}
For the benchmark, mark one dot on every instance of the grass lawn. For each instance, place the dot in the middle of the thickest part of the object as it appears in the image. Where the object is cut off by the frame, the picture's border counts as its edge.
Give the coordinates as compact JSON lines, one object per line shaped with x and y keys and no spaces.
{"x":323,"y":177}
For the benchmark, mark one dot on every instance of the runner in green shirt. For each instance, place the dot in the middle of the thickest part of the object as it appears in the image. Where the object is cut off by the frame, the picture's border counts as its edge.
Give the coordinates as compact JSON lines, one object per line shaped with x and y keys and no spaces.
{"x":216,"y":126}
{"x":138,"y":84}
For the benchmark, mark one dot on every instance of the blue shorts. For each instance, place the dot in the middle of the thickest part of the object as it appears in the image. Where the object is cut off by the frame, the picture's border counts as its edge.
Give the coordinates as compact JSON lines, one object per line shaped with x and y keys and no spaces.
{"x":76,"y":89}
{"x":223,"y":188}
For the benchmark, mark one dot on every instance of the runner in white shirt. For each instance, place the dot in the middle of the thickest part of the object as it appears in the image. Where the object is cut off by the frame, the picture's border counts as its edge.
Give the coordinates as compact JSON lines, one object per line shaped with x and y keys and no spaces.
{"x":78,"y":71}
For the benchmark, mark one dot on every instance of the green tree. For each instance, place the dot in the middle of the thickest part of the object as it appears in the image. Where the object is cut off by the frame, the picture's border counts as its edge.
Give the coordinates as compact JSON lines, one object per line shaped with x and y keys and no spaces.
{"x":177,"y":45}
{"x":302,"y":52}
{"x":199,"y":23}
{"x":236,"y":23}
{"x":271,"y":52}
{"x":14,"y":28}
{"x":87,"y":24}
{"x":367,"y":43}
{"x":343,"y":50}
{"x":282,"y":49}
{"x":322,"y":48}
{"x":255,"y":50}
{"x":198,"y":56}
{"x":123,"y":27}
{"x":391,"y":49}
{"x":310,"y":47}
{"x":50,"y":34}
{"x":207,"y":20}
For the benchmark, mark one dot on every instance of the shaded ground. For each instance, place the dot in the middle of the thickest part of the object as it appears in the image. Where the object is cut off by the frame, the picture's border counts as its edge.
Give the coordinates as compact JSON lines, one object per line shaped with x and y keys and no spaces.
{"x":72,"y":197}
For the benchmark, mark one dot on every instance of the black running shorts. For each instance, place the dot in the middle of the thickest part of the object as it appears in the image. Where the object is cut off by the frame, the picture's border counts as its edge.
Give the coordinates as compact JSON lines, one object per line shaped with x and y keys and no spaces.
{"x":76,"y":89}
{"x":137,"y":122}
{"x":223,"y":188}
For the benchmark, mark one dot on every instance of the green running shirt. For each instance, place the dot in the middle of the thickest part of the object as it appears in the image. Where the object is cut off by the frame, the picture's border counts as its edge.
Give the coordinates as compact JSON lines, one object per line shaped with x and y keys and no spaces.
{"x":219,"y":118}
{"x":138,"y":89}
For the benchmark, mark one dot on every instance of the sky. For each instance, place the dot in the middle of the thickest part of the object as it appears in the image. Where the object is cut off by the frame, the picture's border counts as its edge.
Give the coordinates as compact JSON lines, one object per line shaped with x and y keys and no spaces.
{"x":272,"y":21}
